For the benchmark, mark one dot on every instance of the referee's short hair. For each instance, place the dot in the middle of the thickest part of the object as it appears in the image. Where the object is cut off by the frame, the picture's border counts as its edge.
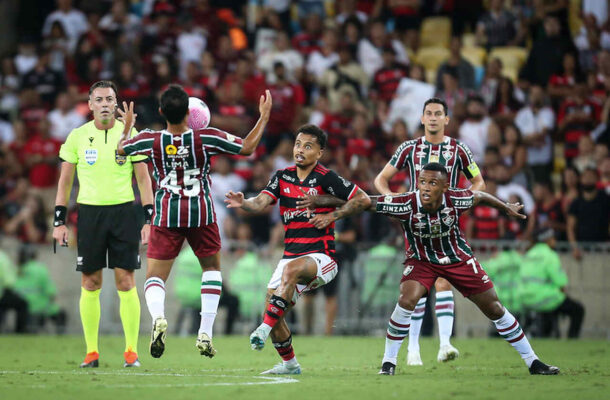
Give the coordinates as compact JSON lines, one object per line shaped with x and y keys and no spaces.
{"x":104,"y":84}
{"x":174,"y":104}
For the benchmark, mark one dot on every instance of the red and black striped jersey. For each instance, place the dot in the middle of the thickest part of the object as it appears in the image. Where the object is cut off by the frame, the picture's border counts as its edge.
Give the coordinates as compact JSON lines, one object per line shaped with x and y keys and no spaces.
{"x":181,"y":166}
{"x":301,"y":237}
{"x":412,"y":155}
{"x":433,"y":237}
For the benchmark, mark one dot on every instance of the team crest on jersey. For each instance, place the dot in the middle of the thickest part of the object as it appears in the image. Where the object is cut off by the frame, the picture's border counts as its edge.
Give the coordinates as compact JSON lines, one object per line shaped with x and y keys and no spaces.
{"x":407,"y":270}
{"x":119,"y":159}
{"x":447,"y":155}
{"x":171,"y":150}
{"x":448,"y":220}
{"x":387,"y":199}
{"x":91,"y":156}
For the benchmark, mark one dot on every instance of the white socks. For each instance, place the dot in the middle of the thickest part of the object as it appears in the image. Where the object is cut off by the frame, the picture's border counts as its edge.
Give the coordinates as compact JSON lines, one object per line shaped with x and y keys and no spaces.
{"x":444,"y":314}
{"x":398,"y":329}
{"x":154,"y":293}
{"x":211,"y":287}
{"x":417,"y":318}
{"x":511,"y":331}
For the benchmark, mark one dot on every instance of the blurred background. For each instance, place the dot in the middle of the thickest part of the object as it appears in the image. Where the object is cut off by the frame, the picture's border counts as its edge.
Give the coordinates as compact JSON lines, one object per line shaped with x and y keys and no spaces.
{"x":526,"y":81}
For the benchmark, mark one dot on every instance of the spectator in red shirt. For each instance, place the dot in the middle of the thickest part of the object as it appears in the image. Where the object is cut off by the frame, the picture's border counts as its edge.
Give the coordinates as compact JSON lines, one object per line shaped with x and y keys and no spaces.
{"x":40,"y":155}
{"x":32,"y":110}
{"x":336,"y":124}
{"x":30,"y":223}
{"x":132,"y":86}
{"x":486,"y":223}
{"x":192,"y":82}
{"x":387,"y":78}
{"x":310,"y":38}
{"x":562,"y":84}
{"x":359,"y":143}
{"x":578,"y":115}
{"x":288,"y":100}
{"x":547,"y":212}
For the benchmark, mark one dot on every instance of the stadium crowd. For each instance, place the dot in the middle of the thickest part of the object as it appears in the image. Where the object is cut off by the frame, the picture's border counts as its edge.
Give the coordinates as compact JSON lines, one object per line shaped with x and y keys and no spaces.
{"x":527,"y":83}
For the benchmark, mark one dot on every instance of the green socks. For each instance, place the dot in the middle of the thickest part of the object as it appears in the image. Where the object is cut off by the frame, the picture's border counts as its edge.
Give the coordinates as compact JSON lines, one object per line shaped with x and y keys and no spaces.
{"x":90,"y":317}
{"x":130,"y":317}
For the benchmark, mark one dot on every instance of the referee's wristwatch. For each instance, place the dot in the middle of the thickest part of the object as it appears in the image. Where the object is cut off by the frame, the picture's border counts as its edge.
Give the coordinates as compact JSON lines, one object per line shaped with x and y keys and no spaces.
{"x":148,"y":213}
{"x":59,"y":218}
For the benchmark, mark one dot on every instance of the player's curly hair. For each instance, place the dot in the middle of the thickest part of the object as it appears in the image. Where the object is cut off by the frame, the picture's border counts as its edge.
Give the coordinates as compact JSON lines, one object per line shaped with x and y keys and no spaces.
{"x":434,"y":166}
{"x":314,"y":130}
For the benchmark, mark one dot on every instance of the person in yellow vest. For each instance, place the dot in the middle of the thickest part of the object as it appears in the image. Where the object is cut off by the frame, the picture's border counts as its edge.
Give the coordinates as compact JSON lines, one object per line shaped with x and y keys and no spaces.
{"x":108,"y":226}
{"x":543,"y":285}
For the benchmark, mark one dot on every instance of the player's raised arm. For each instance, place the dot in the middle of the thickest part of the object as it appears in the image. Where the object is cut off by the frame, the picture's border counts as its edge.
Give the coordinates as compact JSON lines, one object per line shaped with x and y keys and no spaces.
{"x":252,"y":205}
{"x":255,"y":135}
{"x":510,"y":209}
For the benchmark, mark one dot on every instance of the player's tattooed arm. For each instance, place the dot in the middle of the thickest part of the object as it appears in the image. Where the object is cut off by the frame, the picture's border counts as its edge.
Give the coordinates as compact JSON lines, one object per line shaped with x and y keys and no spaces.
{"x":326,"y":200}
{"x":251,"y":205}
{"x":510,"y":209}
{"x":356,"y":204}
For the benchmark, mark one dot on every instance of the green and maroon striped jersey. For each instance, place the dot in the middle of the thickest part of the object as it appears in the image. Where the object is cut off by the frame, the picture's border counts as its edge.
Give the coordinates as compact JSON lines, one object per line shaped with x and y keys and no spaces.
{"x":181,"y":166}
{"x":412,"y":155}
{"x":432,"y":237}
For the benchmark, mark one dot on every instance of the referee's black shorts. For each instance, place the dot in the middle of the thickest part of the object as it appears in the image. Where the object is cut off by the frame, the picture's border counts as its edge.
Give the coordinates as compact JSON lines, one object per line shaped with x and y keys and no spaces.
{"x":112,"y":230}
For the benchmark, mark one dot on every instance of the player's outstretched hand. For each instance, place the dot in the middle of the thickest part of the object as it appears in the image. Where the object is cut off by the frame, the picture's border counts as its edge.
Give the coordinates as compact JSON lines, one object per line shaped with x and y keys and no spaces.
{"x":234,"y":200}
{"x":264,"y":105}
{"x":321,"y":221}
{"x":127,"y":115}
{"x":513,"y":210}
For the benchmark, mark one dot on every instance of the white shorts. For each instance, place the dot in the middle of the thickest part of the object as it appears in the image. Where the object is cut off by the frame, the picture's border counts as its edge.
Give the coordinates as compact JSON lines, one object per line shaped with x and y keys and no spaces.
{"x":327,"y":270}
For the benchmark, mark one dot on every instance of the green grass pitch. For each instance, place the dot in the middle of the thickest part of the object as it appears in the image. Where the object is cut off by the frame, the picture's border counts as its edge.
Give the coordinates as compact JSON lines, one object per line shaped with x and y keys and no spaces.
{"x":45,"y":367}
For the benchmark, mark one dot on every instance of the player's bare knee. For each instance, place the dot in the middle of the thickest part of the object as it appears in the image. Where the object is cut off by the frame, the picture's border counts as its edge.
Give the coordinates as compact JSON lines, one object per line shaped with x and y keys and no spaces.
{"x":442,"y":285}
{"x":408,"y":302}
{"x":495,"y":310}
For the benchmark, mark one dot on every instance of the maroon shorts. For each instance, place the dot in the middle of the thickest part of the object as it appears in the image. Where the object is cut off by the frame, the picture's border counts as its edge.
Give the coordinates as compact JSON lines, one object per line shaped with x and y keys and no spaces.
{"x":166,"y":243}
{"x":467,"y":276}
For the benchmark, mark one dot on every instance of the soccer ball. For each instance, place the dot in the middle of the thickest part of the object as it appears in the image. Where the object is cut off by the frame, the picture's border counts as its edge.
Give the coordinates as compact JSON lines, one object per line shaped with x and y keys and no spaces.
{"x":199,"y":114}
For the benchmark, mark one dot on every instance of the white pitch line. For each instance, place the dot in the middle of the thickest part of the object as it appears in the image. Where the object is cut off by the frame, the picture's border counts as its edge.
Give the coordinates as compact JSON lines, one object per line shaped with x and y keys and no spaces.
{"x":264,"y":380}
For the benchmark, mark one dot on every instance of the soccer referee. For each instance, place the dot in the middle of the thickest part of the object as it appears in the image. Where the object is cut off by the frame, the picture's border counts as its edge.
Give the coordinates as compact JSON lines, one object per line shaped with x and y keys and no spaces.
{"x":107,"y":222}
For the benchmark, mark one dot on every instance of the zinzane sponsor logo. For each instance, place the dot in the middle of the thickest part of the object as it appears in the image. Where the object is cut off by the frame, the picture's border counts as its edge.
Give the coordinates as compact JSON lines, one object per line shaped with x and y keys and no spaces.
{"x":396,"y":208}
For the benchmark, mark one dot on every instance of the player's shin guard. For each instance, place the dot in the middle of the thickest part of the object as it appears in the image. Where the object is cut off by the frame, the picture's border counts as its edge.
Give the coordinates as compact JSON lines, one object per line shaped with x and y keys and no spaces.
{"x":416,"y":322}
{"x":211,"y":287}
{"x":129,"y":309}
{"x":275,"y":310}
{"x":285,"y":350}
{"x":89,"y":305}
{"x":154,"y":293}
{"x":398,"y":329}
{"x":511,"y":331}
{"x":444,"y":314}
